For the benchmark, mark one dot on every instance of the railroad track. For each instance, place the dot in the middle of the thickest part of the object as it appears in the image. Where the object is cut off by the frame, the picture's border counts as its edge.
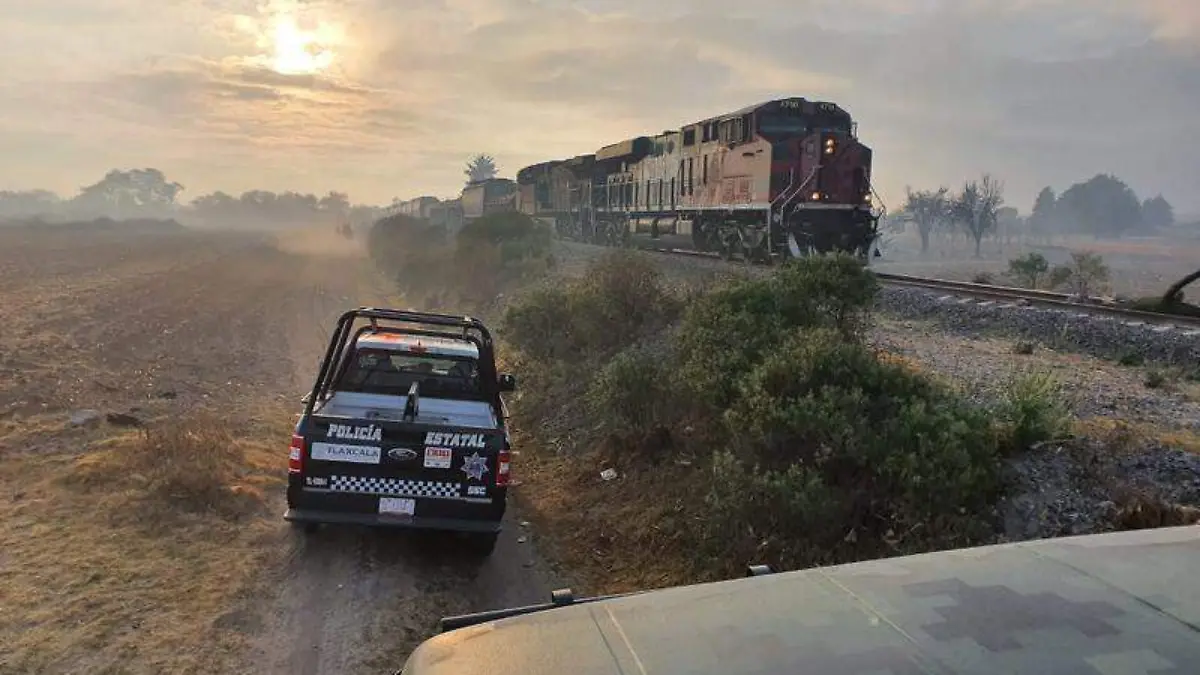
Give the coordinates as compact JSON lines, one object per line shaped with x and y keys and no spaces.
{"x":1008,"y":294}
{"x":1038,"y":298}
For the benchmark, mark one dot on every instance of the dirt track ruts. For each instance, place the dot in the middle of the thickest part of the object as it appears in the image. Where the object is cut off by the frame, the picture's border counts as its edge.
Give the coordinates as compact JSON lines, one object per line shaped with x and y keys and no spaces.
{"x":352,"y":600}
{"x":232,"y":323}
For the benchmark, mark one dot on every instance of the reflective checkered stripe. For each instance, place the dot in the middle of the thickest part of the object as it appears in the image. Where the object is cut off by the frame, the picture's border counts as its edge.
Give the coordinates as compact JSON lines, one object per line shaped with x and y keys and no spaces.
{"x":394,"y":487}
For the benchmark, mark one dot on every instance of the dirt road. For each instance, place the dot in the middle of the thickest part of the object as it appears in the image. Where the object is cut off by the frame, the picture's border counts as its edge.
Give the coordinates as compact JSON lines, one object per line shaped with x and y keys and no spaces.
{"x":164,"y":329}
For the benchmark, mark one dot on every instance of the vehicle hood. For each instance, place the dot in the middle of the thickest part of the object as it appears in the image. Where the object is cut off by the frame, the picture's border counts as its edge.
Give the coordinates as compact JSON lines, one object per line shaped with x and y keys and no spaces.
{"x":1097,"y":605}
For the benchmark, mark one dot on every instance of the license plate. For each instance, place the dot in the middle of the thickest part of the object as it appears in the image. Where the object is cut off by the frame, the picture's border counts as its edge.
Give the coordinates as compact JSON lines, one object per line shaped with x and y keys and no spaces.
{"x":396,"y":506}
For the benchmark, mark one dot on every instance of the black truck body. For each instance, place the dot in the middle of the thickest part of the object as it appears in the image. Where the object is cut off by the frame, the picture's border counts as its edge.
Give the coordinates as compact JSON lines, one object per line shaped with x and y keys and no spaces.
{"x":404,"y":426}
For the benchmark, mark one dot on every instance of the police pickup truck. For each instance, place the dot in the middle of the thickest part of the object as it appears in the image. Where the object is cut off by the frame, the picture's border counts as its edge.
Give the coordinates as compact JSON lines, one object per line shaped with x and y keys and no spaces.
{"x":404,"y":426}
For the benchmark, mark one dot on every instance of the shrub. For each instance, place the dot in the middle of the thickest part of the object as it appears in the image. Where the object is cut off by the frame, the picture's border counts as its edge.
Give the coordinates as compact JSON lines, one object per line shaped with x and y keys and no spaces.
{"x":623,"y":295}
{"x":1023,"y":347}
{"x":726,"y":332}
{"x":515,"y":237}
{"x":1084,"y":275}
{"x":755,"y":512}
{"x":1030,"y":270}
{"x":1155,"y":379}
{"x":620,"y":299}
{"x":541,"y":325}
{"x":1032,"y":410}
{"x":893,"y":442}
{"x":833,"y":450}
{"x":1131,"y":358}
{"x":632,"y":394}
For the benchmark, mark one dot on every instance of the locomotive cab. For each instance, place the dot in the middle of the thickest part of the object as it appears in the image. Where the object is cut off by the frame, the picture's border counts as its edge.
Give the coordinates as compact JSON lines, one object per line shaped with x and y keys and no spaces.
{"x":820,"y":184}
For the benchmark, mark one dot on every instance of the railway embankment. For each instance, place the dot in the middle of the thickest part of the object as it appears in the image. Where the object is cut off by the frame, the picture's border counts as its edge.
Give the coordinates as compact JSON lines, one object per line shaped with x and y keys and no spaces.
{"x":679,"y":418}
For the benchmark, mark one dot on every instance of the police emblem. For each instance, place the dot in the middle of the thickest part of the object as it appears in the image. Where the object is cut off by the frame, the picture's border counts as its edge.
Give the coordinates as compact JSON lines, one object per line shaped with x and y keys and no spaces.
{"x":475,"y":466}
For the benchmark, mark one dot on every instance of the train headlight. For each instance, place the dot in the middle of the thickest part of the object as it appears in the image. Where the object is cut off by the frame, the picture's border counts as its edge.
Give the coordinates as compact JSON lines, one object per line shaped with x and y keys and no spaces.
{"x":867,"y":200}
{"x":816,"y":196}
{"x":829,"y":146}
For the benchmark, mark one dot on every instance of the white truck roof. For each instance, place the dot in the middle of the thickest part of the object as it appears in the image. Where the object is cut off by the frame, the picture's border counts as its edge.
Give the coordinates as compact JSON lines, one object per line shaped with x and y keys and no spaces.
{"x":417,"y":344}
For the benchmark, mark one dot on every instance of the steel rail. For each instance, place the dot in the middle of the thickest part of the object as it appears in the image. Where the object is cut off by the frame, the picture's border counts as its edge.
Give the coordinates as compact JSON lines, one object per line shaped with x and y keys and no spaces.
{"x":1016,"y":295}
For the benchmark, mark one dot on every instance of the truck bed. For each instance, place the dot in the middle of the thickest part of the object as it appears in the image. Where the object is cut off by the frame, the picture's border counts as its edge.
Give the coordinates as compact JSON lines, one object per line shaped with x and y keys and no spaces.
{"x":435,"y":411}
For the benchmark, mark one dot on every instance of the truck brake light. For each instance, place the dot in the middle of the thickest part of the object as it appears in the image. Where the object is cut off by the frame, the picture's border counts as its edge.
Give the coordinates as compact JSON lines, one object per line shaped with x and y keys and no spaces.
{"x":296,"y":454}
{"x":503,"y":462}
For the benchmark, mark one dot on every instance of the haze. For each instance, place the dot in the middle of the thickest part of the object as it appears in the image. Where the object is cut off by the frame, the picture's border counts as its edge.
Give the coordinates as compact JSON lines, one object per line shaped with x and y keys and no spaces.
{"x":388,"y":98}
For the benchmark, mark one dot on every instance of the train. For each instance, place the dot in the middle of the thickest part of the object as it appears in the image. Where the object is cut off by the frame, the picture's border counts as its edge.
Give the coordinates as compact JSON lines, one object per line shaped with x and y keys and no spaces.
{"x":781,"y":179}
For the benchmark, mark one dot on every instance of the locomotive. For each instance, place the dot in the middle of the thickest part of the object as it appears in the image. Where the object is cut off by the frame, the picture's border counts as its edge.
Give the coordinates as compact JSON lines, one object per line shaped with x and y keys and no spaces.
{"x":784,"y":178}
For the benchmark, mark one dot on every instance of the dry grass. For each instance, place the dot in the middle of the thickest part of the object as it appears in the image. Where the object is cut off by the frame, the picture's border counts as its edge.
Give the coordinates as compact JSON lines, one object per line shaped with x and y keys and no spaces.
{"x":1123,"y":436}
{"x":143,"y":551}
{"x":611,"y":537}
{"x":129,"y":557}
{"x":899,"y":360}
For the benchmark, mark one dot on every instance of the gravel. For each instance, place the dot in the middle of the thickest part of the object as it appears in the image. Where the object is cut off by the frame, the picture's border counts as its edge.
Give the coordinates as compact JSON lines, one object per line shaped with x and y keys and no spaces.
{"x":1088,"y":485}
{"x":1102,"y":336}
{"x":1082,"y":488}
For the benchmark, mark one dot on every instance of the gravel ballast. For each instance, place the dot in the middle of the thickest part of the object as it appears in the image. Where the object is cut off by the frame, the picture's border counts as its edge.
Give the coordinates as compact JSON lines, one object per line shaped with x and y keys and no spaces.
{"x":1097,"y":335}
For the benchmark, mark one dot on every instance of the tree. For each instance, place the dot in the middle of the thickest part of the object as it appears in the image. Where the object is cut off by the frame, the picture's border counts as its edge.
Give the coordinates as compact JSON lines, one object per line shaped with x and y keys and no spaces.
{"x":927,"y":208}
{"x":976,"y":207}
{"x":335,"y":203}
{"x":1041,"y":220}
{"x":1008,"y":223}
{"x":133,"y":192}
{"x":27,"y":203}
{"x":1157,"y":213}
{"x":1103,"y":206}
{"x":481,"y":168}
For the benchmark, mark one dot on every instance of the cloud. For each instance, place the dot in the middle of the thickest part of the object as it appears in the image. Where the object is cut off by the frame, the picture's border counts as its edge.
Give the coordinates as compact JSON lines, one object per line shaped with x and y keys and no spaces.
{"x":1038,"y":91}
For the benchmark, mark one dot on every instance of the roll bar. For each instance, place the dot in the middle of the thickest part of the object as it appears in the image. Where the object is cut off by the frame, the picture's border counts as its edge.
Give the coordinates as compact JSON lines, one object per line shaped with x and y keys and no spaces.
{"x":341,"y":336}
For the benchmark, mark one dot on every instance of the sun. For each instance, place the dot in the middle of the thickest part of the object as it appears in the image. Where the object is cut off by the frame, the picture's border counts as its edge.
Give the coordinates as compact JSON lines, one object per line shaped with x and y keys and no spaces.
{"x":299,"y":52}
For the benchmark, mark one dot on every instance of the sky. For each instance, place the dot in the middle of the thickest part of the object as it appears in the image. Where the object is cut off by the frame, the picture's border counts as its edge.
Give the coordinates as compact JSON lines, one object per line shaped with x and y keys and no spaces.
{"x":390,"y":98}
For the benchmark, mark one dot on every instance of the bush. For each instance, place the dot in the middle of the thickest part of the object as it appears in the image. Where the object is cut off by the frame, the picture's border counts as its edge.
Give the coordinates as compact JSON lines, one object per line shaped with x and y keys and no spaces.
{"x":726,"y":332}
{"x":412,"y":252}
{"x":541,"y":324}
{"x":1155,"y":379}
{"x":1030,"y":270}
{"x":1084,"y":275}
{"x":514,"y":237}
{"x":620,"y":299}
{"x":893,"y":443}
{"x":756,"y":512}
{"x":1032,"y":410}
{"x":632,"y":395}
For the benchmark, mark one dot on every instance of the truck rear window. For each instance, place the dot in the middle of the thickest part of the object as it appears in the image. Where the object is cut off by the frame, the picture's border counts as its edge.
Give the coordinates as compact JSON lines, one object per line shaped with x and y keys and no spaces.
{"x":379,"y":371}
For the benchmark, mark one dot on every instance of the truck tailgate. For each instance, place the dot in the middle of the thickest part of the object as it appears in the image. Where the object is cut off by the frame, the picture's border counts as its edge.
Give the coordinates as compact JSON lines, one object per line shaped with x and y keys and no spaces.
{"x":413,"y":462}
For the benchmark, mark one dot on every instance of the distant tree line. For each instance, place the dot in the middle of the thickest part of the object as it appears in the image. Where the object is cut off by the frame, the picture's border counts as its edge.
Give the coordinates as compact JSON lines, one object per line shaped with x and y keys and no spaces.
{"x":1103,"y":206}
{"x":147,"y":193}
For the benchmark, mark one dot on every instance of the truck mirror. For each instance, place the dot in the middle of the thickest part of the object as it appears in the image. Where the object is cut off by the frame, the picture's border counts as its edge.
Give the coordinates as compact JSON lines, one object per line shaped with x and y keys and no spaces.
{"x":507,"y":382}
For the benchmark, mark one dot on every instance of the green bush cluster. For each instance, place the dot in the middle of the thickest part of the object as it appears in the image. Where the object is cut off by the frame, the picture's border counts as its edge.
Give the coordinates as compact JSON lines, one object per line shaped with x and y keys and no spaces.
{"x":620,"y":300}
{"x":467,"y":269}
{"x":824,"y":451}
{"x":508,"y":240}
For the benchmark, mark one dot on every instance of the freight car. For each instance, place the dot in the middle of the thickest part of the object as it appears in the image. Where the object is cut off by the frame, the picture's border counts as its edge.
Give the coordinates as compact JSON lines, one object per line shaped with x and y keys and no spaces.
{"x":488,"y":196}
{"x":784,"y":178}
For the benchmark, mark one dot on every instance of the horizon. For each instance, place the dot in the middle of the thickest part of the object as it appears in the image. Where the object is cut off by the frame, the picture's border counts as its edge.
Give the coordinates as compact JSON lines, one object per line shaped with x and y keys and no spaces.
{"x":383,"y":101}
